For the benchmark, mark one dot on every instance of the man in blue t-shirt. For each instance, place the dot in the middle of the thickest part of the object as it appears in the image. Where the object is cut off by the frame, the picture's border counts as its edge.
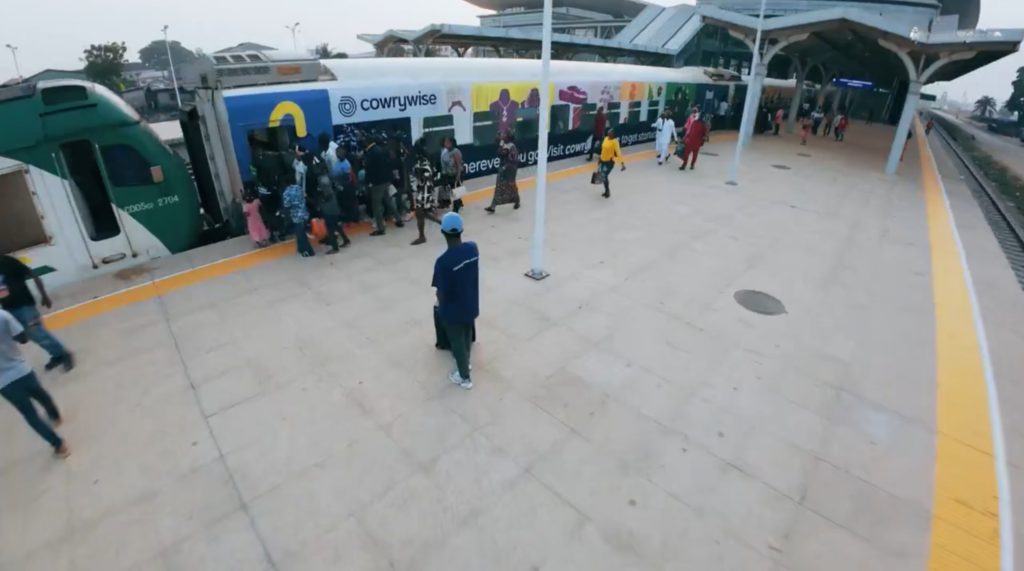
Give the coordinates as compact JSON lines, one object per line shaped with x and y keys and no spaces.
{"x":457,"y":279}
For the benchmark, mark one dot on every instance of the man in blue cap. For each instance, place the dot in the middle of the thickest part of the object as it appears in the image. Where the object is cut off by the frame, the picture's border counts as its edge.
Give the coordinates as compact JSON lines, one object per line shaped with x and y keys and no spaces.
{"x":457,"y":279}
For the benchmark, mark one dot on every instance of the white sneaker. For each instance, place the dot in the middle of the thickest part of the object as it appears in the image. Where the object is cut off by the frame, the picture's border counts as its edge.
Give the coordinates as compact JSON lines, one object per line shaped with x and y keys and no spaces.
{"x":457,"y":379}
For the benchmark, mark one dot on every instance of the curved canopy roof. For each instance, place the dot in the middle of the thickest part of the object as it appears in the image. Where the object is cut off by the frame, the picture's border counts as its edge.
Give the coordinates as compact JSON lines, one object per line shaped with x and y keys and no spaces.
{"x":627,"y":8}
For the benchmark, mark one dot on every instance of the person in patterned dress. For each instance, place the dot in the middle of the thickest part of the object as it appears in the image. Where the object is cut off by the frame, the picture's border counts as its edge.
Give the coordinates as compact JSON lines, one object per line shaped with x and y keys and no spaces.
{"x":423,"y":183}
{"x":507,"y":190}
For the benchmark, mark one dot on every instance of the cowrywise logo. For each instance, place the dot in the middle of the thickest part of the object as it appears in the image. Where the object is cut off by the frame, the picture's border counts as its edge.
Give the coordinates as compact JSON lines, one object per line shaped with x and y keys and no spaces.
{"x":348,"y":106}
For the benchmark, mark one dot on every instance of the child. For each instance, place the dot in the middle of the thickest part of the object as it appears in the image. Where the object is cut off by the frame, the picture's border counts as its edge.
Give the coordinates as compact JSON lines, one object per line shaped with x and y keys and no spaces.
{"x":258,"y":232}
{"x":806,"y":125}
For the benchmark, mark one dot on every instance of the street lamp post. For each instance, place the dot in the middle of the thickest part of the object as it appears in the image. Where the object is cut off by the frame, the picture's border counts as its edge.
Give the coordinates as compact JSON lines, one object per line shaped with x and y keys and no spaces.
{"x":14,"y":53}
{"x":293,"y":28}
{"x":750,"y":107}
{"x":170,"y":63}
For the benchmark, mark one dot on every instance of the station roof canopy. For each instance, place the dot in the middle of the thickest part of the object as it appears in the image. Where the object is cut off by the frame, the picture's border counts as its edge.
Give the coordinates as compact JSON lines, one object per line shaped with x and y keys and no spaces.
{"x":847,"y":42}
{"x":627,"y":8}
{"x":459,"y":36}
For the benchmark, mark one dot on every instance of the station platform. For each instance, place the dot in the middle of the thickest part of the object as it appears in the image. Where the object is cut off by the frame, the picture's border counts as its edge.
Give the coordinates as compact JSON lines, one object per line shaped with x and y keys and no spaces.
{"x":268,"y":412}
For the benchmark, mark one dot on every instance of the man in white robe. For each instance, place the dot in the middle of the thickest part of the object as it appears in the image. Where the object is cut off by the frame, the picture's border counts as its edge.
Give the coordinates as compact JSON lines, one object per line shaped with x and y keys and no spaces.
{"x":666,"y":129}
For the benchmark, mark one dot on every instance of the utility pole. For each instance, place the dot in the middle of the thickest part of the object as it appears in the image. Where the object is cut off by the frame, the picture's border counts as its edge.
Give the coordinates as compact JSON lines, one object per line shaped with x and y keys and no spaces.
{"x":170,"y":63}
{"x":295,"y":44}
{"x":14,"y":53}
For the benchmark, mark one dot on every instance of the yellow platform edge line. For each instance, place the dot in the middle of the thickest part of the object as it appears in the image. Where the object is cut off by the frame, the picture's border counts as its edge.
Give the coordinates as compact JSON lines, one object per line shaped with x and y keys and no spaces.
{"x":969,"y":432}
{"x":151,"y":290}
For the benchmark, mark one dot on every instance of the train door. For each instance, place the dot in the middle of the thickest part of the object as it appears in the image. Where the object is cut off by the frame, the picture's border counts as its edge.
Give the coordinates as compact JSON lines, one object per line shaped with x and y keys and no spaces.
{"x":91,"y":202}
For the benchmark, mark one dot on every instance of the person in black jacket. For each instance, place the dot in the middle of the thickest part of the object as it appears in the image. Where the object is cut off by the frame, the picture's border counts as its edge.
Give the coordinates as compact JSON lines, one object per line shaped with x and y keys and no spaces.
{"x":378,"y":178}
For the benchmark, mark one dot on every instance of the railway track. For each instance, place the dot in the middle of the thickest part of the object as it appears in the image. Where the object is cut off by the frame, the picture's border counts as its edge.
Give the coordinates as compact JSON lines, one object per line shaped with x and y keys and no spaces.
{"x":1004,"y":225}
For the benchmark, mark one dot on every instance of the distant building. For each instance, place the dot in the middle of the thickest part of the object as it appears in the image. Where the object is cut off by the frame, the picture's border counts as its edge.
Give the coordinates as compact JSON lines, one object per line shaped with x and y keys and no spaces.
{"x":48,"y":74}
{"x":246,"y":47}
{"x":138,"y":73}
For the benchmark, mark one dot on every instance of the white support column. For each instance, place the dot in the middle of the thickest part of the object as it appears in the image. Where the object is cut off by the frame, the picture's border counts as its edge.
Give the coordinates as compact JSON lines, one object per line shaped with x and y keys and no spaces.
{"x":798,"y":98}
{"x":909,"y":108}
{"x":913,"y":95}
{"x":754,"y":91}
{"x":536,"y":271}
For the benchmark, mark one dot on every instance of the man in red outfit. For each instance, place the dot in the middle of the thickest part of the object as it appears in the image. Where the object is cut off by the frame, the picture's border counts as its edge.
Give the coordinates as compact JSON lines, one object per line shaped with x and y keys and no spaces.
{"x":693,"y":141}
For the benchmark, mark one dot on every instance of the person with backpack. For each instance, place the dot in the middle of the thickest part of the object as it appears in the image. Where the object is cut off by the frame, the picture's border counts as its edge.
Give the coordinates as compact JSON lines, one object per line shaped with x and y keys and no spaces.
{"x":329,"y":207}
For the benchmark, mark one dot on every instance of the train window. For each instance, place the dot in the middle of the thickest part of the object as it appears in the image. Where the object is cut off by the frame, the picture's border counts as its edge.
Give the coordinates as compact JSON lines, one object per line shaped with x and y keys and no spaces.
{"x":652,"y":113}
{"x":91,"y":195}
{"x":561,"y":117}
{"x":485,"y":129}
{"x":613,"y":113}
{"x":527,"y":122}
{"x":63,"y":94}
{"x":634,"y":112}
{"x":126,"y":166}
{"x":435,"y":129}
{"x":588,"y":114}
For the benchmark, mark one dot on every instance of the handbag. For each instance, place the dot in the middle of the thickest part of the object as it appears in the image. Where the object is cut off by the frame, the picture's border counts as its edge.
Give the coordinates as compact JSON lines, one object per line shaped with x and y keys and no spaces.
{"x":458,"y":192}
{"x":597,"y":177}
{"x":318,"y":228}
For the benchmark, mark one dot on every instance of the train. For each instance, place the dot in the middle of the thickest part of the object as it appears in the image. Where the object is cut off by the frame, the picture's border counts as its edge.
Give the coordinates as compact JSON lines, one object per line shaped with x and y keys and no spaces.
{"x":88,"y":188}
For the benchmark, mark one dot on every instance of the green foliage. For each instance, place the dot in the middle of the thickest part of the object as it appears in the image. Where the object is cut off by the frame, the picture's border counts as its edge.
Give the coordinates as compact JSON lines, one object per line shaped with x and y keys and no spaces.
{"x":104,"y":63}
{"x":1016,"y":100}
{"x":154,"y":55}
{"x":986,"y":106}
{"x":339,"y":55}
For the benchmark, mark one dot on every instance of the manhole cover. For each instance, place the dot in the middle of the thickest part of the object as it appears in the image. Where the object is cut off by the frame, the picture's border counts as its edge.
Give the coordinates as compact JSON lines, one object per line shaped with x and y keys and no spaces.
{"x":710,"y":154}
{"x":759,"y":302}
{"x":803,"y":155}
{"x":781,"y":167}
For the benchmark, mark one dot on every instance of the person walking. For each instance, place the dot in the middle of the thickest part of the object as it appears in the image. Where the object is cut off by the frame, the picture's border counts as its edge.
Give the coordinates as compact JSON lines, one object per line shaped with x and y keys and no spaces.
{"x":929,"y":126}
{"x":666,"y":129}
{"x":805,"y":130}
{"x":779,"y":116}
{"x":457,"y":281}
{"x":599,"y":126}
{"x":378,"y":177}
{"x":424,"y":190}
{"x":330,"y":209}
{"x":19,"y":385}
{"x":16,"y":299}
{"x":451,"y":173}
{"x":841,"y":123}
{"x":828,"y":124}
{"x":295,"y":202}
{"x":610,"y":151}
{"x":816,"y":118}
{"x":692,"y":143}
{"x":506,"y":191}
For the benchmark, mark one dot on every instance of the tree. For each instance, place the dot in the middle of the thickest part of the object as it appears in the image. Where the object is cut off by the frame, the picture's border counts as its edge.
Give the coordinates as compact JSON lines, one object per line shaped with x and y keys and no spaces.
{"x":104,"y":63}
{"x":154,"y":55}
{"x":339,"y":55}
{"x":322,"y":51}
{"x":986,"y":106}
{"x":1016,"y":100}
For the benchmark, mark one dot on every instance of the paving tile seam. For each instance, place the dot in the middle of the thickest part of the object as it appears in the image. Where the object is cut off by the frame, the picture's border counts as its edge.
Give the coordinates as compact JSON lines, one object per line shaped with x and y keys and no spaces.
{"x":970,"y":467}
{"x":243,"y":505}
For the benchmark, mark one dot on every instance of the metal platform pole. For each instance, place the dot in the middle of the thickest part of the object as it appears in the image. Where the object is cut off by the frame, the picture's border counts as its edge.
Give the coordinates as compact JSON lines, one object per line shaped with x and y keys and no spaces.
{"x":909,"y":109}
{"x":537,"y":259}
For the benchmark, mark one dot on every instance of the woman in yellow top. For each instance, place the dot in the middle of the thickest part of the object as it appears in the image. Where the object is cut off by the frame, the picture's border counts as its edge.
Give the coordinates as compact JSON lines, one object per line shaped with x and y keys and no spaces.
{"x":609,"y":152}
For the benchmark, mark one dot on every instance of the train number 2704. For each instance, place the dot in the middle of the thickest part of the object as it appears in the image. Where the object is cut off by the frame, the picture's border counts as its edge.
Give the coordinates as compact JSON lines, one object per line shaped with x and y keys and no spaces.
{"x":143,"y":206}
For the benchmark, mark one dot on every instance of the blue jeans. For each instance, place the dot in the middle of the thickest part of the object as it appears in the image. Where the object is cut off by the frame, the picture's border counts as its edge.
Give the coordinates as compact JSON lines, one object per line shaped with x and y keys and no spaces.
{"x":21,"y":393}
{"x":32,"y":321}
{"x":302,"y":244}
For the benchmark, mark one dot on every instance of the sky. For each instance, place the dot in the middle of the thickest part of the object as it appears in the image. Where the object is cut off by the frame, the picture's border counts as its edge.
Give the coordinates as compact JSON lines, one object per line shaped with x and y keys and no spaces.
{"x":53,"y":34}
